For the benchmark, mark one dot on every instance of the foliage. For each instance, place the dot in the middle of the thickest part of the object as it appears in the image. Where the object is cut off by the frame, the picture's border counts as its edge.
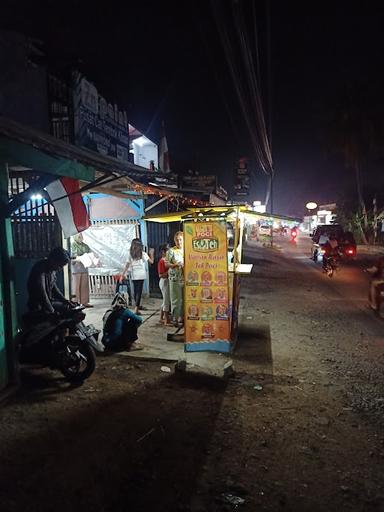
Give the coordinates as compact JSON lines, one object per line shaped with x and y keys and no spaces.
{"x":354,"y":131}
{"x":352,"y":219}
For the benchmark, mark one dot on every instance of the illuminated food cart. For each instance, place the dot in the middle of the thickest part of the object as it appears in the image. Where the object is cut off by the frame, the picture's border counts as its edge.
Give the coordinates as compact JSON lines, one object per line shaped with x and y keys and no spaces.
{"x":212,"y":270}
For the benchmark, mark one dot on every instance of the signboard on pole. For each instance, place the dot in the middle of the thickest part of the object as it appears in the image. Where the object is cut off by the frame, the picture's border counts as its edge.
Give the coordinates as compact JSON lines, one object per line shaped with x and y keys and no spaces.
{"x":207,"y":304}
{"x":205,"y":182}
{"x":242,"y":181}
{"x":99,"y":125}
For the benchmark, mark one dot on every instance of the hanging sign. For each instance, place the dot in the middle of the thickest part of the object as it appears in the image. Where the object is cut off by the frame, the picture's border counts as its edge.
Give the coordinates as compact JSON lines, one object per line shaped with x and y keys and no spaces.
{"x":207,"y":306}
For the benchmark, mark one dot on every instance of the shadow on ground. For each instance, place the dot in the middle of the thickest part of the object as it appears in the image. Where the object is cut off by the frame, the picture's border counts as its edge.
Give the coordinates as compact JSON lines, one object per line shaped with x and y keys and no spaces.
{"x":254,"y":345}
{"x":135,"y":451}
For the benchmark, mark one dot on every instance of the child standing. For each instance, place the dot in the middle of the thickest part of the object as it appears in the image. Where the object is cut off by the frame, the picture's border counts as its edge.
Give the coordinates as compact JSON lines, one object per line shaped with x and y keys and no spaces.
{"x":164,"y":286}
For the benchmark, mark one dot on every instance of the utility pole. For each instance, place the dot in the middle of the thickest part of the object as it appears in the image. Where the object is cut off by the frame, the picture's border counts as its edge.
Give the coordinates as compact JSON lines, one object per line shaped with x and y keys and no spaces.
{"x":269,"y":93}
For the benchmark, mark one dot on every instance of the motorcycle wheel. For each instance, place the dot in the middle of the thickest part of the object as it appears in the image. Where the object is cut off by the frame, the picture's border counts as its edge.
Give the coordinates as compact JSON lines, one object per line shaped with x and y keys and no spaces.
{"x":78,"y":360}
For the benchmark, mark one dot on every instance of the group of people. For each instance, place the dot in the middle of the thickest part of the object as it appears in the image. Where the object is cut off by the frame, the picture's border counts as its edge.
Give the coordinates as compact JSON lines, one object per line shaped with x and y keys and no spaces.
{"x":120,"y":324}
{"x":171,"y":278}
{"x":170,"y":272}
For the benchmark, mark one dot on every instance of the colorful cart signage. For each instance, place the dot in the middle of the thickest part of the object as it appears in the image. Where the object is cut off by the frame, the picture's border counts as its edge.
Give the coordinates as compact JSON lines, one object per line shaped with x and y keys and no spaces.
{"x":207,"y":303}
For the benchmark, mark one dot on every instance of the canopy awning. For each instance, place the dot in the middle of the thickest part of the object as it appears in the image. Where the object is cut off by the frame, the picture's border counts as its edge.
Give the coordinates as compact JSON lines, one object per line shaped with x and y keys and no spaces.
{"x":226,"y":211}
{"x":196,"y":212}
{"x":269,"y":216}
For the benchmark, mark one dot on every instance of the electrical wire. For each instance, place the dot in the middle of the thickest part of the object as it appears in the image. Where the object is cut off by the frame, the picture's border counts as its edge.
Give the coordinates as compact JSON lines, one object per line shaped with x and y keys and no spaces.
{"x":245,"y":77}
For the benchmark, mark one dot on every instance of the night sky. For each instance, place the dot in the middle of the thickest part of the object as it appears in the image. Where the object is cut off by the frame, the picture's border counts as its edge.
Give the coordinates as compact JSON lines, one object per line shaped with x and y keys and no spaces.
{"x":164,"y":61}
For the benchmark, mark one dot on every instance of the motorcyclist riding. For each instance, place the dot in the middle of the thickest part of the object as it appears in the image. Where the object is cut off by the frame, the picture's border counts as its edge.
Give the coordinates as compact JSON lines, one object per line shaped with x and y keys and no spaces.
{"x":293,"y":234}
{"x":331,"y":249}
{"x":44,"y":295}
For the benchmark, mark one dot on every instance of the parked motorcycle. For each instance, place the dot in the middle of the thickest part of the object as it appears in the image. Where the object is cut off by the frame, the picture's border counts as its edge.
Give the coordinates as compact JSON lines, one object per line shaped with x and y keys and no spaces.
{"x":60,"y":341}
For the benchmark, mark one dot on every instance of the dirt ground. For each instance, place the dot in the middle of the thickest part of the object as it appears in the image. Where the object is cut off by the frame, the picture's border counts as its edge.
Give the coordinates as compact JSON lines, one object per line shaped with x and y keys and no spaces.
{"x":298,"y":428}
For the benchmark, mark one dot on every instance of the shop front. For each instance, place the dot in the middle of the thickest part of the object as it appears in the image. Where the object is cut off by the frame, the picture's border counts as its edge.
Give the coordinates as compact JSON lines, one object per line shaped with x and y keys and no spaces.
{"x":263,"y":227}
{"x":114,"y":223}
{"x":29,"y":222}
{"x":212,"y":275}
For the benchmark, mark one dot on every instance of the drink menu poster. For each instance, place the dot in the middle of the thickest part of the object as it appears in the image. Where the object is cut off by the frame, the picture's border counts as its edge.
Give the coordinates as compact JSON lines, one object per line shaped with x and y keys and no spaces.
{"x":207,"y":305}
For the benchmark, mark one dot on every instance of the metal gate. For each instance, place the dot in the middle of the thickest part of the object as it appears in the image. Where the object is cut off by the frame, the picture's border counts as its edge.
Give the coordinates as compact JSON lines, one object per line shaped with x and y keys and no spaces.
{"x":35,"y":227}
{"x":157,"y":235}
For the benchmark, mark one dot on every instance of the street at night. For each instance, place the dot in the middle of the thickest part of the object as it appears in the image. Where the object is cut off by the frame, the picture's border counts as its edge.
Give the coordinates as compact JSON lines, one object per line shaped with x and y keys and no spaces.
{"x":191,"y":256}
{"x":298,"y":427}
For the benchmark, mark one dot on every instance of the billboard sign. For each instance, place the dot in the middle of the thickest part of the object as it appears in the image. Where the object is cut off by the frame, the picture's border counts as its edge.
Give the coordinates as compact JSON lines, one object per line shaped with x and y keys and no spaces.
{"x":207,"y":182}
{"x":242,"y":181}
{"x":99,"y":126}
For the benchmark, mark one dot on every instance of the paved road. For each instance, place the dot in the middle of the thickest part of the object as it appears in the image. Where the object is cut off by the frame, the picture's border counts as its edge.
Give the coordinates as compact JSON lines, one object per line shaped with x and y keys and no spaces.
{"x":349,"y":283}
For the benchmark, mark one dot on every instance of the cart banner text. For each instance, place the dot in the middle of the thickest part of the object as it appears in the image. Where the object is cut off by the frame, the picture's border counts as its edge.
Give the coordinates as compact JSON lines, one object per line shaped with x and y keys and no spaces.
{"x":207,"y":305}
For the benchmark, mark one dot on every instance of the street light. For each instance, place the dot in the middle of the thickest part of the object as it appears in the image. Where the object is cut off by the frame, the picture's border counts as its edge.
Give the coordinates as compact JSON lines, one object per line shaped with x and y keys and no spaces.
{"x":310,"y":206}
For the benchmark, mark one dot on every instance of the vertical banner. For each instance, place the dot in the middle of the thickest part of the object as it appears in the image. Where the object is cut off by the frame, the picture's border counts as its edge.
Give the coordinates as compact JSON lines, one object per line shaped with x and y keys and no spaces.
{"x":207,"y":305}
{"x":242,"y":179}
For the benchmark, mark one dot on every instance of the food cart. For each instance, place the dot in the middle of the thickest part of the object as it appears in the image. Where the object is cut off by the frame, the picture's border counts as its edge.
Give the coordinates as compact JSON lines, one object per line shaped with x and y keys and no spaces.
{"x":212,"y":268}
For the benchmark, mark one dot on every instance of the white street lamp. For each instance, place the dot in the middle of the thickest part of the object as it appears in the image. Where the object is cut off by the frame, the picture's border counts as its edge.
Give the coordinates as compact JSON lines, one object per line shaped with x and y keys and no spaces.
{"x":310,"y":206}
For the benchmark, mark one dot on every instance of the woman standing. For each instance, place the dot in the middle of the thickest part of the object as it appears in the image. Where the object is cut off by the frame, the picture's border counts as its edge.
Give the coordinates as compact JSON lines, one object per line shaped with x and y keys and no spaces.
{"x":80,"y":282}
{"x":174,"y":261}
{"x":136,"y":265}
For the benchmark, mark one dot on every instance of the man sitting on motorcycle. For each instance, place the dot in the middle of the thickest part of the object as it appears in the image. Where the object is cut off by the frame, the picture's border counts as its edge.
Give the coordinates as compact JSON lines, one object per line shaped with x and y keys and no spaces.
{"x":44,"y":295}
{"x":331,"y":249}
{"x":377,"y":284}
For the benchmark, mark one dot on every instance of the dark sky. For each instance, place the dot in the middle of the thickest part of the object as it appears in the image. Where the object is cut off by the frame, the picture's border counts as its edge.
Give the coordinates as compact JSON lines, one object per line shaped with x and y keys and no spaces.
{"x":164,"y":61}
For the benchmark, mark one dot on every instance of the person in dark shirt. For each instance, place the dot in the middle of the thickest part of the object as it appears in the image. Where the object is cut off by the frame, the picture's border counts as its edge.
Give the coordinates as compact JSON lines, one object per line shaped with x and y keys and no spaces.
{"x":43,"y":293}
{"x":331,"y":248}
{"x":120,"y":326}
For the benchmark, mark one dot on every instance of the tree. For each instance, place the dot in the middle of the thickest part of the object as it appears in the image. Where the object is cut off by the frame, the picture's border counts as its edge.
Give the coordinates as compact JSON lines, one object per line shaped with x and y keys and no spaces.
{"x":354,"y":130}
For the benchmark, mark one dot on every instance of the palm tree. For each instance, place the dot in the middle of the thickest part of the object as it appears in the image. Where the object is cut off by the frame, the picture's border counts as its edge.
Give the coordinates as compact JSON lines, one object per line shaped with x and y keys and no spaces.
{"x":353,"y":133}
